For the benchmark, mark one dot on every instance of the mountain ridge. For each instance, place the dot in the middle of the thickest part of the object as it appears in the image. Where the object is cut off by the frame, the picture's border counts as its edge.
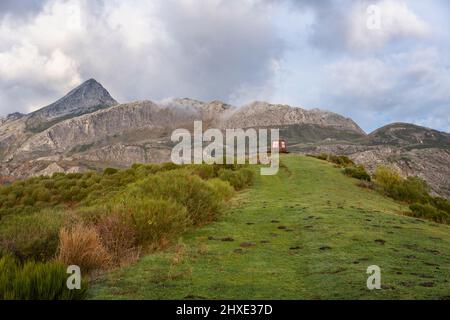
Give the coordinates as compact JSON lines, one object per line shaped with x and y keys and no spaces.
{"x":88,"y":129}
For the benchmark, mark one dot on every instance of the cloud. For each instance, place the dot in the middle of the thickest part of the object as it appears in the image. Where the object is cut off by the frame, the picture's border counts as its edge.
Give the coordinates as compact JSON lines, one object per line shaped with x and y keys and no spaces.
{"x":138,"y":49}
{"x":409,"y":86}
{"x":301,"y":52}
{"x":20,"y":7}
{"x":343,"y":25}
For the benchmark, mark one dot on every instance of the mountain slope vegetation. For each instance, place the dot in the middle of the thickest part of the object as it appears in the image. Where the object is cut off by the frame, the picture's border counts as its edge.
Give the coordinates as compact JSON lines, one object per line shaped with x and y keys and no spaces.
{"x":307,"y":233}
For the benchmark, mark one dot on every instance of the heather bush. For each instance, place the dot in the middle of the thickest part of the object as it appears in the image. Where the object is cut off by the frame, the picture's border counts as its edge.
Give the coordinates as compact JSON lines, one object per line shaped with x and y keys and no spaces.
{"x":204,"y":171}
{"x":357,"y":172}
{"x":33,"y":236}
{"x":118,"y":237}
{"x":238,"y":179}
{"x":387,"y":179}
{"x":341,"y":161}
{"x":110,"y":171}
{"x":36,"y":281}
{"x":390,"y":182}
{"x":203,"y":204}
{"x":247,"y":174}
{"x":233,"y":178}
{"x":429,"y":212}
{"x":222,"y":188}
{"x":441,"y":204}
{"x":154,"y":222}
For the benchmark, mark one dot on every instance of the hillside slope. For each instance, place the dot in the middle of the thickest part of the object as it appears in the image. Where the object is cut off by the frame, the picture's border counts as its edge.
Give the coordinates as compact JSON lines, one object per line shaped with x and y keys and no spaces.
{"x":307,"y":233}
{"x":413,"y":150}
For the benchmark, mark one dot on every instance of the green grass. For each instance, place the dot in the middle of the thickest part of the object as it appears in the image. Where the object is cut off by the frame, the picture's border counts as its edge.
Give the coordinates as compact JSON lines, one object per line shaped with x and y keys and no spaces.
{"x":333,"y":227}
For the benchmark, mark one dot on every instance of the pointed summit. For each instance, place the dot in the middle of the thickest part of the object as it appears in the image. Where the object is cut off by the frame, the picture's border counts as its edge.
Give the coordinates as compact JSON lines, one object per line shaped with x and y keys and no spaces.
{"x":88,"y":97}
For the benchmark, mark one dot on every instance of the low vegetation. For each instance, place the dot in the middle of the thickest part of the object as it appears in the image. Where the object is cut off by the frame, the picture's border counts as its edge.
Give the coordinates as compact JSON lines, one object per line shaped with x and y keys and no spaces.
{"x":413,"y":191}
{"x":103,"y":220}
{"x":35,"y":281}
{"x":349,"y":168}
{"x":389,"y":182}
{"x":306,"y":233}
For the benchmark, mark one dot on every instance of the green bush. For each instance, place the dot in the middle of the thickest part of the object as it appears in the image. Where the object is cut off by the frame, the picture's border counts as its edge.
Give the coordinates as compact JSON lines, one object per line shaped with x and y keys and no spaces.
{"x":199,"y":198}
{"x":387,"y":179}
{"x":155,"y":222}
{"x":33,"y":236}
{"x":222,"y":188}
{"x":204,"y":171}
{"x":322,"y":156}
{"x":248,"y":175}
{"x":441,"y":204}
{"x":110,"y":171}
{"x":412,"y":189}
{"x":357,"y":172}
{"x":238,"y":179}
{"x":36,"y":281}
{"x":342,"y":161}
{"x":429,"y":212}
{"x":390,"y":182}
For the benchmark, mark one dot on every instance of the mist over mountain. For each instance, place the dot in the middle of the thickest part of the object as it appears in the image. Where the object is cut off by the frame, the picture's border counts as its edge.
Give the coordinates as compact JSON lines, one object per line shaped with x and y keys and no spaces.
{"x":87,"y":129}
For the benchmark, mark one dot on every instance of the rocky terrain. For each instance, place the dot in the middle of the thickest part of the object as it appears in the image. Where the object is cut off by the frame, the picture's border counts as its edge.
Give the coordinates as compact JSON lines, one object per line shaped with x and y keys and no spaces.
{"x":413,"y":150}
{"x":87,"y":129}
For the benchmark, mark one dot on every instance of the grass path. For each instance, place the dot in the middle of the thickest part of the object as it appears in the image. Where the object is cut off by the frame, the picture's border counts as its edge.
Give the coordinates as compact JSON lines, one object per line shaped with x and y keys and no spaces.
{"x":307,"y":233}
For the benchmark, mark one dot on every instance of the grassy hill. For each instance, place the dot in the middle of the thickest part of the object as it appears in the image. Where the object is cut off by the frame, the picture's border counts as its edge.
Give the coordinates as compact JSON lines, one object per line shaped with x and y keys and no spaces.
{"x":307,"y":233}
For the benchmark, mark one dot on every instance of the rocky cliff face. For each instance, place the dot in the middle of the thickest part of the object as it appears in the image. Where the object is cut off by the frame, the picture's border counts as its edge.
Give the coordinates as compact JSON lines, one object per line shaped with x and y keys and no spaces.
{"x":86,"y":98}
{"x":87,"y":129}
{"x":262,"y":114}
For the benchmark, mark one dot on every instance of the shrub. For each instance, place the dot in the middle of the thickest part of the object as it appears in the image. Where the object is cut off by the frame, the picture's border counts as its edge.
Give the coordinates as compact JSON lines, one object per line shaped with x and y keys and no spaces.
{"x":429,"y":212}
{"x":248,"y":175}
{"x":110,"y":171}
{"x":238,"y":179}
{"x":222,"y":188}
{"x":154,"y":222}
{"x":322,"y":156}
{"x":387,"y":178}
{"x":204,"y":171}
{"x":342,"y":161}
{"x":441,"y":204}
{"x":365,"y":184}
{"x":35,"y":281}
{"x":412,"y":189}
{"x":201,"y":201}
{"x":119,"y":238}
{"x":32,"y":236}
{"x":357,"y":172}
{"x":82,"y":246}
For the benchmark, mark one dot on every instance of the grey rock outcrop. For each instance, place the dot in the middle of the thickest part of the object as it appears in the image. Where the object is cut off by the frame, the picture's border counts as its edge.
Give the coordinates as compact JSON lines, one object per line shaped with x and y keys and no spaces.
{"x":86,"y":98}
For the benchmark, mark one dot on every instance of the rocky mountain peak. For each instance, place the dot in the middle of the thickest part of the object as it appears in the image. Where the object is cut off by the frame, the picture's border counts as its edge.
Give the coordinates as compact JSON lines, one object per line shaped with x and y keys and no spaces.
{"x":88,"y":97}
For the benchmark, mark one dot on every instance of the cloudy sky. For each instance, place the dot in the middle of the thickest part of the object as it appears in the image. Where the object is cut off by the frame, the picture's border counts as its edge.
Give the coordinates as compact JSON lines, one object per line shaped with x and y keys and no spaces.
{"x":333,"y":55}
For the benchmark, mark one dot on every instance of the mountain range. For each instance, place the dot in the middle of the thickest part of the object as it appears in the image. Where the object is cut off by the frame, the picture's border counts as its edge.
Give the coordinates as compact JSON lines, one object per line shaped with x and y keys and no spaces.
{"x":88,"y":130}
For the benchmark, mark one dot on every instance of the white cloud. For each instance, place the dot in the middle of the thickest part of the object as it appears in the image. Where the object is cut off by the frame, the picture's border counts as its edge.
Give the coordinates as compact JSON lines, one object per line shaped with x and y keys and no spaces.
{"x":138,"y":49}
{"x":409,"y":86}
{"x":397,"y":21}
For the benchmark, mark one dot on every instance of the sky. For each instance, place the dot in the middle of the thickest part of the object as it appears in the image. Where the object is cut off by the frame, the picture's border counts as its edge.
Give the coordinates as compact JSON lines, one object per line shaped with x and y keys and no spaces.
{"x":377,"y":61}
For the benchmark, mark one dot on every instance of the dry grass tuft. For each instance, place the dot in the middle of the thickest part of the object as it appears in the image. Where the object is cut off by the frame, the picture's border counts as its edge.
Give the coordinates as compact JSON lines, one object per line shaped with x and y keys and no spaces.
{"x":83,"y":247}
